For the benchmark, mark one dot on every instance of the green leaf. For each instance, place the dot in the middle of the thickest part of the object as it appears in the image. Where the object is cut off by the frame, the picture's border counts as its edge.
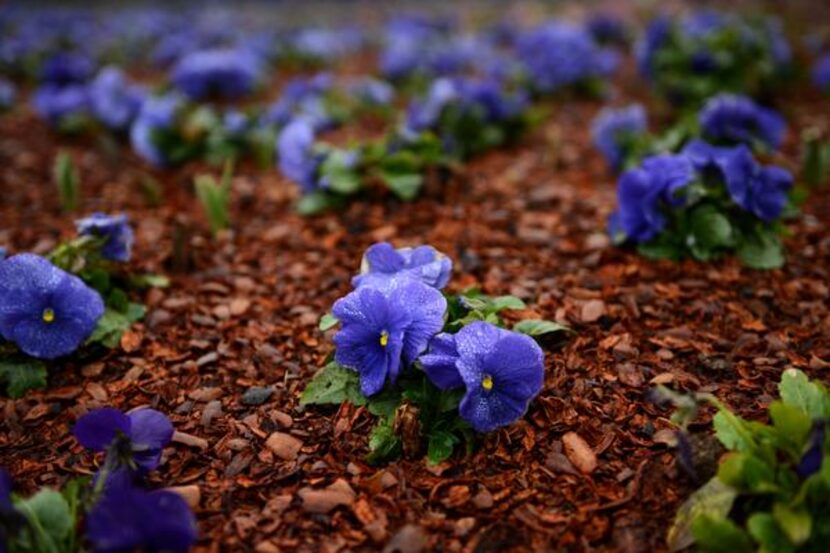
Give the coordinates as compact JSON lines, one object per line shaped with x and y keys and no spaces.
{"x":112,"y":325}
{"x":383,"y":443}
{"x":338,"y":167}
{"x":316,"y":202}
{"x":440,"y":446}
{"x":792,"y":426}
{"x":810,"y":397}
{"x":660,"y":250}
{"x":763,"y":528}
{"x":385,"y":403}
{"x":333,"y":385}
{"x":539,"y":327}
{"x":713,"y":499}
{"x":796,"y":523}
{"x":215,"y":197}
{"x":720,"y":535}
{"x":406,"y":186}
{"x":21,"y":375}
{"x":507,"y":302}
{"x":50,"y":521}
{"x":328,"y":321}
{"x":67,"y":181}
{"x":732,"y":431}
{"x":710,"y":230}
{"x":762,"y":251}
{"x":746,"y":472}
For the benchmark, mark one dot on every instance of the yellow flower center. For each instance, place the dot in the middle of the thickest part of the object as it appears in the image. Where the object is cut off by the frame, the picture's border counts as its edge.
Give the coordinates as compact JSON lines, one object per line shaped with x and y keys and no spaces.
{"x":487,"y":382}
{"x":384,"y":338}
{"x":48,"y":315}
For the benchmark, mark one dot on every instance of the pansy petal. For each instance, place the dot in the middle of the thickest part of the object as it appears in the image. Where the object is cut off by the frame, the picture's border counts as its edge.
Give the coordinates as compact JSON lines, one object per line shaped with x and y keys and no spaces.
{"x":426,"y":307}
{"x":97,"y":429}
{"x":440,"y":362}
{"x":150,"y":428}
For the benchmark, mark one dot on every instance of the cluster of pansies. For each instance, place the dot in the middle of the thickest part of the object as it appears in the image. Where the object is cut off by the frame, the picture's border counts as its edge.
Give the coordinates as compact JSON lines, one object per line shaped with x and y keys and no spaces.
{"x":432,"y":367}
{"x":698,"y":190}
{"x":75,"y":296}
{"x":690,"y":58}
{"x":114,"y":510}
{"x":703,"y":202}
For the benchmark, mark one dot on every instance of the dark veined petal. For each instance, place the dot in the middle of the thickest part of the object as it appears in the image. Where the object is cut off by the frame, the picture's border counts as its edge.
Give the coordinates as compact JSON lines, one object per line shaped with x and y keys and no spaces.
{"x":97,"y":429}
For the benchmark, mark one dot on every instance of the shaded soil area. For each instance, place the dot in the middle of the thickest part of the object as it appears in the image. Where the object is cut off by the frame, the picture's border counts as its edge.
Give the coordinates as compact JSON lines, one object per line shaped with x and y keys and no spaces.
{"x":242,"y":313}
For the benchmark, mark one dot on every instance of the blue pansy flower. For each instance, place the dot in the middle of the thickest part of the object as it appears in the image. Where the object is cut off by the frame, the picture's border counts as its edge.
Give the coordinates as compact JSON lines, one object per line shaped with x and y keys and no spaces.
{"x":44,"y":310}
{"x":607,"y":28}
{"x":157,"y":114}
{"x":558,"y":55}
{"x":760,"y":190}
{"x":130,"y":519}
{"x":385,"y":328}
{"x":425,"y":114}
{"x":733,"y":118}
{"x":295,"y":152}
{"x":135,"y":439}
{"x":235,"y":123}
{"x":8,"y":93}
{"x":705,"y":156}
{"x":821,"y":73}
{"x":226,"y":73}
{"x":115,"y":228}
{"x":302,"y":98}
{"x":641,"y":193}
{"x":657,"y":34}
{"x":372,"y":91}
{"x":54,"y":103}
{"x":11,"y":520}
{"x":614,"y":129}
{"x":113,"y":100}
{"x":501,"y":370}
{"x":812,"y":458}
{"x":382,"y":263}
{"x":66,"y":68}
{"x":492,"y":98}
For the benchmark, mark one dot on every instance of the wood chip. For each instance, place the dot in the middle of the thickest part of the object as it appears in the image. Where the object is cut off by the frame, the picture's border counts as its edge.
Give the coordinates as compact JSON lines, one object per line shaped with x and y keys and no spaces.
{"x":285,"y":446}
{"x":579,"y":452}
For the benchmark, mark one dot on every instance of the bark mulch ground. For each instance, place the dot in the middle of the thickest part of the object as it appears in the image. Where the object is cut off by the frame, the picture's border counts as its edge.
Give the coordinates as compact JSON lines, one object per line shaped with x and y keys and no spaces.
{"x":228,"y":347}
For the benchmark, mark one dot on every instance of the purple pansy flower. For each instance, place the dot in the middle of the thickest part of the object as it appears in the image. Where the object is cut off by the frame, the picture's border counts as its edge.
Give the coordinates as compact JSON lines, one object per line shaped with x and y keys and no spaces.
{"x":811,"y":460}
{"x":382,"y":263}
{"x":136,"y":439}
{"x":373,"y":92}
{"x":11,"y":520}
{"x":558,"y":55}
{"x":821,"y":73}
{"x":130,"y":519}
{"x":66,"y":68}
{"x":113,"y":100}
{"x":54,"y":103}
{"x":424,"y":114}
{"x":501,"y":370}
{"x":157,"y":115}
{"x":383,"y":328}
{"x":115,"y":228}
{"x":738,"y":119}
{"x":7,"y":94}
{"x":657,"y":34}
{"x":225,"y":73}
{"x":44,"y":310}
{"x":760,"y":190}
{"x":295,"y":152}
{"x":613,"y":131}
{"x":642,"y":191}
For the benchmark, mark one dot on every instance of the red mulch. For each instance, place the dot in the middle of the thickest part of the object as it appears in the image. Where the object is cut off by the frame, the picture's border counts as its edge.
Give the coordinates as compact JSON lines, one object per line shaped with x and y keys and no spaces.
{"x":242,"y":311}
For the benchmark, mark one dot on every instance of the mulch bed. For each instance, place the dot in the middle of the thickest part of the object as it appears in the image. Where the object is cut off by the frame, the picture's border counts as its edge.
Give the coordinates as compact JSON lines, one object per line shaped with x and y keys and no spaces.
{"x":242,"y":314}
